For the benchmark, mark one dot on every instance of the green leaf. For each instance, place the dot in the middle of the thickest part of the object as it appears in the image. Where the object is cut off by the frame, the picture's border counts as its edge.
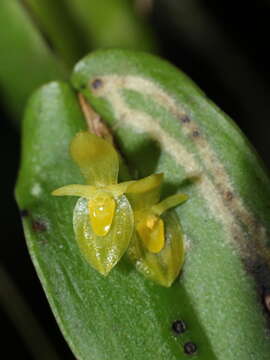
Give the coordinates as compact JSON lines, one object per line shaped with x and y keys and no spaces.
{"x":162,"y":123}
{"x":118,"y":317}
{"x":112,"y":23}
{"x":56,"y":21}
{"x":75,"y":27}
{"x":155,"y":109}
{"x":26,"y":62}
{"x":15,"y":306}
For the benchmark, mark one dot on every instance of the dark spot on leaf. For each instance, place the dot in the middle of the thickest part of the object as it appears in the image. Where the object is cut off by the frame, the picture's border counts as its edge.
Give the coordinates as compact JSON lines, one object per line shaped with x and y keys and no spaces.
{"x":195,"y":133}
{"x":97,"y":83}
{"x":179,"y":327}
{"x":190,"y":348}
{"x":185,"y":119}
{"x":229,"y":195}
{"x":39,"y":226}
{"x":24,"y":213}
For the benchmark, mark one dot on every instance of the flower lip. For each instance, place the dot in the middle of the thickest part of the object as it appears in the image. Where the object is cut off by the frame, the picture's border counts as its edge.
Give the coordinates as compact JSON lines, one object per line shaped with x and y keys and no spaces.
{"x":101,"y":213}
{"x":151,"y":232}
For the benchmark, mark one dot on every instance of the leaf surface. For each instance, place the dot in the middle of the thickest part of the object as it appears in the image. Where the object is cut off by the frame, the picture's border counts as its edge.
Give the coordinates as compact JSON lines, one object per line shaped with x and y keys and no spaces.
{"x":163,"y":123}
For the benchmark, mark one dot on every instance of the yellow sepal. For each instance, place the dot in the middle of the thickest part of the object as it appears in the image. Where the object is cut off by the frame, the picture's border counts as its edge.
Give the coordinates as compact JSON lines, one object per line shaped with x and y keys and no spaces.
{"x":86,"y":191}
{"x":145,"y":192}
{"x":96,"y":158}
{"x":168,"y":203}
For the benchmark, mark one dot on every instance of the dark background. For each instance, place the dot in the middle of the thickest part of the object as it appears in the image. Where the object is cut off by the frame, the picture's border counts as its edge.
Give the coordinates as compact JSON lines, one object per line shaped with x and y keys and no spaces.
{"x":224,"y":49}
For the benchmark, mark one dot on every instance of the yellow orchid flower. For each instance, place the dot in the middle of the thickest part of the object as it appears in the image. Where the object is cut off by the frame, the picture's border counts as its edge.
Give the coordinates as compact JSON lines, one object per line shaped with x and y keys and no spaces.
{"x":157,"y":247}
{"x":103,"y":218}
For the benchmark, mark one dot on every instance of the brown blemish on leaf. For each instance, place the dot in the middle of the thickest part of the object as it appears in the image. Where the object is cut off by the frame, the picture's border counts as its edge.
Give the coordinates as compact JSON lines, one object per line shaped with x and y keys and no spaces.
{"x":228,"y":195}
{"x":195,"y":133}
{"x":185,"y":119}
{"x":39,"y":226}
{"x":94,"y":121}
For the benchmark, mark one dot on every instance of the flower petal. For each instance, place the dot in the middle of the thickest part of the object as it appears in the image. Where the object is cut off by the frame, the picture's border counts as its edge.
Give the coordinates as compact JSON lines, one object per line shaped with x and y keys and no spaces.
{"x":145,"y":192}
{"x":86,"y":191}
{"x":162,"y":267}
{"x":168,"y":203}
{"x":96,"y":158}
{"x":103,"y":252}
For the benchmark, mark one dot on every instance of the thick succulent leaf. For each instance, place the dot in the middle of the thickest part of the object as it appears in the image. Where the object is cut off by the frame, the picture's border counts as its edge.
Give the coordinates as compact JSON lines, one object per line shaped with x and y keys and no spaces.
{"x":152,"y":105}
{"x":162,"y":267}
{"x":103,"y":252}
{"x":122,"y":316}
{"x":96,"y":158}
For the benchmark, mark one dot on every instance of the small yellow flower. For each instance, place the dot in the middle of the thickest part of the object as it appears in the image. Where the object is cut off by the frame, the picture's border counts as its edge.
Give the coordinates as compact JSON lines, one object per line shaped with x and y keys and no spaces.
{"x":103,"y":218}
{"x":157,"y":247}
